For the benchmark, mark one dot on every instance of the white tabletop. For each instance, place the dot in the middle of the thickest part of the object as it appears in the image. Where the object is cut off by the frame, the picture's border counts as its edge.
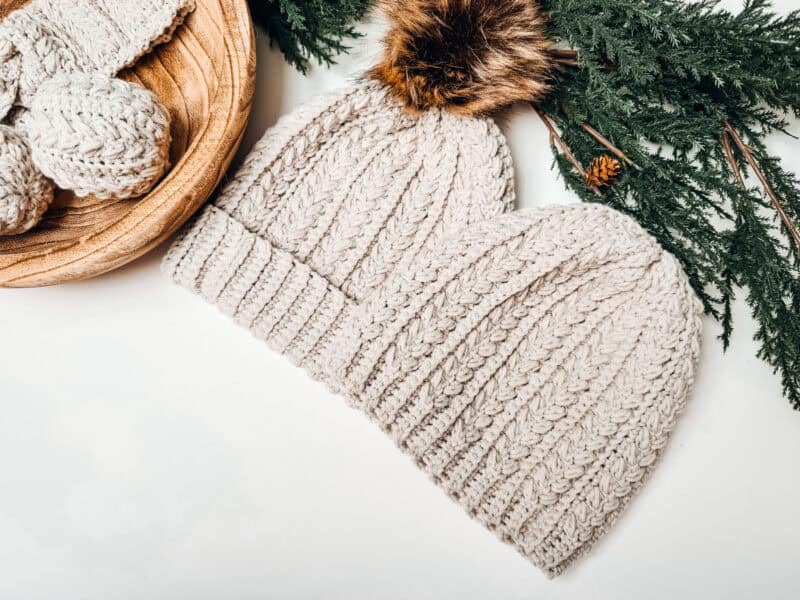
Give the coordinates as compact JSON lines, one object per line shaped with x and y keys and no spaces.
{"x":151,"y":449}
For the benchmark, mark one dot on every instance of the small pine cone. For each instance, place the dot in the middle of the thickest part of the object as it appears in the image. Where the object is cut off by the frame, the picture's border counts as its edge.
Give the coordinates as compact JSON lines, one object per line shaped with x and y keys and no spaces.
{"x":602,"y":171}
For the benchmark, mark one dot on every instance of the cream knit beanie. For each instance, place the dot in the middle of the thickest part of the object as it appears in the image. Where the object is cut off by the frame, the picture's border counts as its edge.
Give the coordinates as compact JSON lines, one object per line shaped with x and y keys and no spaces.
{"x":532,"y":363}
{"x":534,"y":366}
{"x":88,"y":132}
{"x":328,"y":203}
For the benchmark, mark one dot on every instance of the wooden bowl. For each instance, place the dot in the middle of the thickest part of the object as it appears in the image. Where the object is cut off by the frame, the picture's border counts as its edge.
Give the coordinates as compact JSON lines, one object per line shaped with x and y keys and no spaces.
{"x":205,"y":76}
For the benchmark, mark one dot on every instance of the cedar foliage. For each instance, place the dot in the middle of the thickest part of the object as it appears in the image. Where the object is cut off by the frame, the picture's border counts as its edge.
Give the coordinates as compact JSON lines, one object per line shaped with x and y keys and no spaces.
{"x":660,"y":79}
{"x":309,"y":30}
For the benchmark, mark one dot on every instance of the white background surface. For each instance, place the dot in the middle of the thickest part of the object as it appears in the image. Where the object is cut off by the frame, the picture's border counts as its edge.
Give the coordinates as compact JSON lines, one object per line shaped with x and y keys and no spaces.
{"x":151,"y":449}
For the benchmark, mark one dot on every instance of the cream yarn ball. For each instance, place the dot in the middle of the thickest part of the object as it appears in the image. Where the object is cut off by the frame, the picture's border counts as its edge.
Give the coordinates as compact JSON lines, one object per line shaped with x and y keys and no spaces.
{"x":98,"y":135}
{"x":25,"y":193}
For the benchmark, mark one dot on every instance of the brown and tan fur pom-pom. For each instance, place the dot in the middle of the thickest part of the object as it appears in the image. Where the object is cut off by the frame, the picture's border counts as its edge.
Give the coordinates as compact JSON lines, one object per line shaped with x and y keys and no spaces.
{"x":471,"y":57}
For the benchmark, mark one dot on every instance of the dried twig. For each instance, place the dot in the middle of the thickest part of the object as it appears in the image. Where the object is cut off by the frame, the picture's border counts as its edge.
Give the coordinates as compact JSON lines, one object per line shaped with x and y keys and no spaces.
{"x":565,"y":62}
{"x":554,"y":136}
{"x":562,"y":66}
{"x":564,"y":53}
{"x":609,"y":146}
{"x":726,"y":146}
{"x":776,"y":204}
{"x":564,"y":58}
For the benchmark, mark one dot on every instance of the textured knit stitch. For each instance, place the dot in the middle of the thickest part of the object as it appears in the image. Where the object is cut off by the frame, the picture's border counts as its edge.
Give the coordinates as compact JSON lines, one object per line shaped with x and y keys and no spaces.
{"x":24,"y":192}
{"x":534,"y":366}
{"x":329,"y":202}
{"x":48,"y":37}
{"x":96,"y":135}
{"x":91,"y":134}
{"x":533,"y":363}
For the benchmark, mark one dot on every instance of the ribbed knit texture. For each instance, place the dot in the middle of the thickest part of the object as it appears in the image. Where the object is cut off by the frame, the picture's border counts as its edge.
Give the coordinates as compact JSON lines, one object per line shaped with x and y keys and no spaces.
{"x":534,"y":366}
{"x":532,"y":363}
{"x":331,"y":200}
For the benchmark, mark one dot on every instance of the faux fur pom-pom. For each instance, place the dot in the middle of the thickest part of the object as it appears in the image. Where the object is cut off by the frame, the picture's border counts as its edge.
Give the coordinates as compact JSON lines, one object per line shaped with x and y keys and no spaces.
{"x":471,"y":57}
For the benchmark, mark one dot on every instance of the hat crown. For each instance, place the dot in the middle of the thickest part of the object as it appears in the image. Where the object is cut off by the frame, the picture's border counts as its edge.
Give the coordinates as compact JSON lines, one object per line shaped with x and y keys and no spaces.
{"x":354,"y":186}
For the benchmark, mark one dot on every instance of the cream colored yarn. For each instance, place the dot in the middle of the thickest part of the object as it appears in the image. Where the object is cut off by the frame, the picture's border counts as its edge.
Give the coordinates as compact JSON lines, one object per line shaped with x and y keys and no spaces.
{"x":328,"y":203}
{"x":532,"y":364}
{"x":90,"y":133}
{"x":24,"y":192}
{"x":96,"y":135}
{"x":49,"y":37}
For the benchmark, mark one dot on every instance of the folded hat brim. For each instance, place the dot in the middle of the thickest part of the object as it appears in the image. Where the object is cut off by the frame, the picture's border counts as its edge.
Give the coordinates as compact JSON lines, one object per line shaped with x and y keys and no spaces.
{"x":263,"y":288}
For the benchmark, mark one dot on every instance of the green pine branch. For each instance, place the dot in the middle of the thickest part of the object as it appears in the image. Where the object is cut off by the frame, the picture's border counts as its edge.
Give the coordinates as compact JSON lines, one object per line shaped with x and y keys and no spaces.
{"x":659,"y":79}
{"x":309,"y":30}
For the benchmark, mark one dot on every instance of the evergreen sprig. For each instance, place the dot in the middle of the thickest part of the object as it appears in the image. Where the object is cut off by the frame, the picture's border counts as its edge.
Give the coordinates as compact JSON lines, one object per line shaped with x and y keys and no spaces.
{"x":688,"y":92}
{"x":307,"y":30}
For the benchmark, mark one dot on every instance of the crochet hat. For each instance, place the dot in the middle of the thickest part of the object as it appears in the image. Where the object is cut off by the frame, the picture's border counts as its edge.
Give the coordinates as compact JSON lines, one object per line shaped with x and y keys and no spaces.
{"x":533,"y":363}
{"x":329,"y":202}
{"x":87,"y":132}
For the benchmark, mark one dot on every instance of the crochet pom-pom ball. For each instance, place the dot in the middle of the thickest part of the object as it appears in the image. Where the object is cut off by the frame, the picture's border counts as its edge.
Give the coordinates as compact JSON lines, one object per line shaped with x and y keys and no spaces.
{"x":25,"y":193}
{"x":99,"y":136}
{"x":471,"y":57}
